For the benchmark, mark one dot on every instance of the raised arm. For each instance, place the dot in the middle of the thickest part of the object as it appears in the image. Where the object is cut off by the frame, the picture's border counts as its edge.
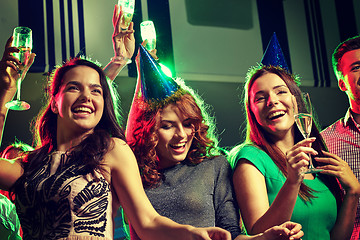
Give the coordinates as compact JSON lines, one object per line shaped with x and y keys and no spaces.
{"x":10,"y":170}
{"x":9,"y":66}
{"x":8,"y":75}
{"x":126,"y":181}
{"x":123,"y":44}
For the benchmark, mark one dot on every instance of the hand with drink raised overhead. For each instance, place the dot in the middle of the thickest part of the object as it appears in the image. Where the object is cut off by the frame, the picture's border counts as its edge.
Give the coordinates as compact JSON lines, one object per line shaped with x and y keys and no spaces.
{"x":123,"y":40}
{"x":9,"y":73}
{"x":123,"y":45}
{"x":10,"y":66}
{"x":152,"y":52}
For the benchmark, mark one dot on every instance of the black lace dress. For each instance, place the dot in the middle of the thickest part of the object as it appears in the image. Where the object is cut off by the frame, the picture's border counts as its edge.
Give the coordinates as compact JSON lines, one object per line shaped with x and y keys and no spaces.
{"x":61,"y":201}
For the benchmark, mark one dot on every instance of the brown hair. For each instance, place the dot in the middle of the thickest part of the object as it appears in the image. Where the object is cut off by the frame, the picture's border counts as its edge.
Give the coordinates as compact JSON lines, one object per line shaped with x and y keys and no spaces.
{"x":257,"y":136}
{"x":143,"y":139}
{"x":90,"y":152}
{"x":344,"y":47}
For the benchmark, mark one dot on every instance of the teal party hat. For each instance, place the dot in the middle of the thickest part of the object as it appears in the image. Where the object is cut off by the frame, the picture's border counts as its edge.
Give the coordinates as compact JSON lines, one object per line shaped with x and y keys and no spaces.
{"x":156,"y":86}
{"x":273,"y":54}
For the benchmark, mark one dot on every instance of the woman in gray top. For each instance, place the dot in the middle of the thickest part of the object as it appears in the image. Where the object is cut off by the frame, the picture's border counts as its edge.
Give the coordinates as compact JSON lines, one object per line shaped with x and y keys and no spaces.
{"x":184,"y":175}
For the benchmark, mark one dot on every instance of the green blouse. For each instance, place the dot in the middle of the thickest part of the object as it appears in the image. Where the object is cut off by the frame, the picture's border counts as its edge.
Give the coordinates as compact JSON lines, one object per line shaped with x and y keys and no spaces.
{"x":317,"y":216}
{"x":9,"y":221}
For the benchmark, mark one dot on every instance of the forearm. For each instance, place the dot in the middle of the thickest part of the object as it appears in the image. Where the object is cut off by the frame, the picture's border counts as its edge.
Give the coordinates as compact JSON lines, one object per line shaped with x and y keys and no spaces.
{"x":163,"y":228}
{"x":280,"y":210}
{"x":289,"y":230}
{"x":259,"y":236}
{"x":346,"y":217}
{"x":114,"y":67}
{"x":5,"y":96}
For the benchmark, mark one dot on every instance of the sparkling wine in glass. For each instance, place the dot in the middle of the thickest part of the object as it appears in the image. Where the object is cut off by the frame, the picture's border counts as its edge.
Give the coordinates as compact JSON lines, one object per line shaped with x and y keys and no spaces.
{"x":23,"y":41}
{"x":303,"y":121}
{"x":148,"y":33}
{"x":128,"y":8}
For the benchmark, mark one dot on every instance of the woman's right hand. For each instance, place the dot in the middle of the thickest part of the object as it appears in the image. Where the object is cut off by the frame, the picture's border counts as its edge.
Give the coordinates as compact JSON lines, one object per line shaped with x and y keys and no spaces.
{"x":287,"y":230}
{"x":298,"y":159}
{"x":9,"y":66}
{"x":123,"y":39}
{"x":151,"y":52}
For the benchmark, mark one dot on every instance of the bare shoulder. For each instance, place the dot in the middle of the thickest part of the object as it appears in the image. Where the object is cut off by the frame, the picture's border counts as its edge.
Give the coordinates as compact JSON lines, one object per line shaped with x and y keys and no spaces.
{"x":10,"y":172}
{"x":119,"y":143}
{"x":120,"y":153}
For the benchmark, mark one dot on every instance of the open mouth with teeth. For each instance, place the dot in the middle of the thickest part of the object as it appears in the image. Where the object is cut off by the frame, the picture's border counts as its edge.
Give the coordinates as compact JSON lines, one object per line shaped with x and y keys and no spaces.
{"x":82,"y":110}
{"x":177,"y":146}
{"x":276,"y":115}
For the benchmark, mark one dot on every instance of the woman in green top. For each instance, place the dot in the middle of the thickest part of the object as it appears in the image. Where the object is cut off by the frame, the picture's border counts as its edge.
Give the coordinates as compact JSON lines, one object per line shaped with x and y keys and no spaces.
{"x":268,"y":175}
{"x":9,"y":221}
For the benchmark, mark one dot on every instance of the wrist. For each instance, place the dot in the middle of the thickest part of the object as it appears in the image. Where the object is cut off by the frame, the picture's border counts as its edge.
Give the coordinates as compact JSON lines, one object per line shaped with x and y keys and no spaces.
{"x":294,"y":182}
{"x":121,"y":60}
{"x":8,"y":91}
{"x":354,"y":192}
{"x":259,"y":236}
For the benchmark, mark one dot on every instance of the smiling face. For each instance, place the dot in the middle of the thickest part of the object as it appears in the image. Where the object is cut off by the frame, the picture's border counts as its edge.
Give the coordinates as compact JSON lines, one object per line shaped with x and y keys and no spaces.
{"x":175,"y":135}
{"x":350,"y":80}
{"x":272,"y":104}
{"x":79,"y":103}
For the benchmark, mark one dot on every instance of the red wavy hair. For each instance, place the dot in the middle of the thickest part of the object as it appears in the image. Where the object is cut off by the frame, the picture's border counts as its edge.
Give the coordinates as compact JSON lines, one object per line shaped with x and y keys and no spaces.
{"x":142,"y":136}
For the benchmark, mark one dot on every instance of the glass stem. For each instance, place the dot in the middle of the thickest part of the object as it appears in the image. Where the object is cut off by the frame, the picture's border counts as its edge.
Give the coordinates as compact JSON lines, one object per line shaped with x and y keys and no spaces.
{"x":18,"y":87}
{"x":311,"y":166}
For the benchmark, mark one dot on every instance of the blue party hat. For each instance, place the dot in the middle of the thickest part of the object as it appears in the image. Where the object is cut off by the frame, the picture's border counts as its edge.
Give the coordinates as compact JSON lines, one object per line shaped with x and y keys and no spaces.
{"x":273,"y":55}
{"x":153,"y":87}
{"x":156,"y":86}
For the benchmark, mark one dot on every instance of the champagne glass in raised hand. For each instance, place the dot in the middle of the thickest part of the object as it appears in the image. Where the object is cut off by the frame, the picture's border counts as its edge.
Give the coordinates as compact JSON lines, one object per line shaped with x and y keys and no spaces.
{"x":303,"y":121}
{"x":23,"y":41}
{"x":128,"y":8}
{"x":148,"y":33}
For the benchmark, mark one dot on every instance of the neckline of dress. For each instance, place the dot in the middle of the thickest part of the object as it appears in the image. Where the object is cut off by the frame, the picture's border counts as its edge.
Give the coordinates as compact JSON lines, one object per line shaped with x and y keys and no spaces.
{"x":57,"y":153}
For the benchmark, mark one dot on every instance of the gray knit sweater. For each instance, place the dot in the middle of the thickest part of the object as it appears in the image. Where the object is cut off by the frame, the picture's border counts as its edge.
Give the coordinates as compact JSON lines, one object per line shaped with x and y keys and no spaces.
{"x":200,"y":195}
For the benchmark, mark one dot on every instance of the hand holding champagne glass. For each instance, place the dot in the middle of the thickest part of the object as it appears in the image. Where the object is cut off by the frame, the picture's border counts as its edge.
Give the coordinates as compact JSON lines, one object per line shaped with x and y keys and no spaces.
{"x":303,"y":121}
{"x":128,"y":7}
{"x":23,"y":41}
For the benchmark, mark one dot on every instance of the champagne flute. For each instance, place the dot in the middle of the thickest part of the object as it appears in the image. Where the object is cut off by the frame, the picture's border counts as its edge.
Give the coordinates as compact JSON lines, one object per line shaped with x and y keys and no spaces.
{"x":303,"y":121}
{"x":23,"y":41}
{"x":128,"y":8}
{"x":148,"y":33}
